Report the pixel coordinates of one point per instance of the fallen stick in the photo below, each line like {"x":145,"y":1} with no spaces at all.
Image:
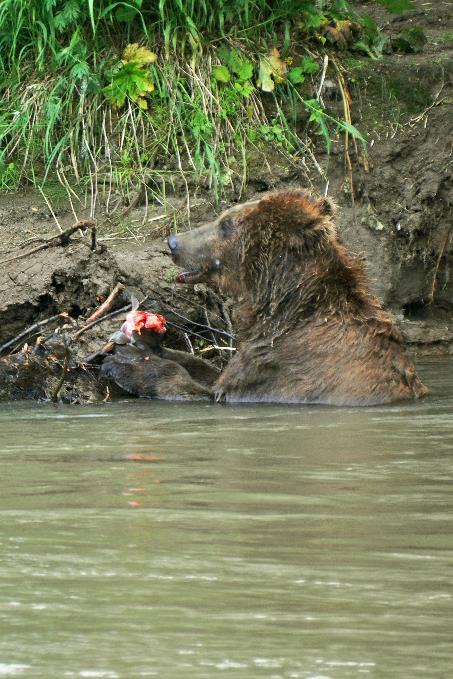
{"x":107,"y":305}
{"x":347,"y":101}
{"x":32,"y":328}
{"x":62,"y":379}
{"x":229,"y":325}
{"x":441,"y":253}
{"x":60,"y":239}
{"x":217,"y":348}
{"x":188,"y":342}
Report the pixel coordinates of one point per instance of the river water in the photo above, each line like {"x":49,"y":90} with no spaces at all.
{"x":145,"y":539}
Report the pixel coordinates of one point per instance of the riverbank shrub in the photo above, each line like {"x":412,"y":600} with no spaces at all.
{"x":115,"y":95}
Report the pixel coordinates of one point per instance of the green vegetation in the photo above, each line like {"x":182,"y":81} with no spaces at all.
{"x":410,"y":40}
{"x":130,"y":94}
{"x":446,"y":38}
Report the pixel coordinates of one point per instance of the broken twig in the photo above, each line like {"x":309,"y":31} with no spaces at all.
{"x":347,"y":101}
{"x":215,"y":347}
{"x":30,"y":330}
{"x":188,"y":342}
{"x":61,"y":381}
{"x":107,"y":305}
{"x":441,"y":253}
{"x":112,"y":314}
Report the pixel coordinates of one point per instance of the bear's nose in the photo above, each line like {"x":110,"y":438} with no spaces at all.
{"x":173,"y":244}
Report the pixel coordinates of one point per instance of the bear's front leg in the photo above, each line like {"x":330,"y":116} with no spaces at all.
{"x":147,"y":375}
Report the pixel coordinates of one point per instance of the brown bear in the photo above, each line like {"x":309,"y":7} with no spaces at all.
{"x":309,"y":330}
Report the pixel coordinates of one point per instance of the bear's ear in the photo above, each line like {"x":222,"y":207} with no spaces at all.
{"x":326,"y":207}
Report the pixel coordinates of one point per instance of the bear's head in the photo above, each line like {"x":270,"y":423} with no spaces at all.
{"x":256,"y":243}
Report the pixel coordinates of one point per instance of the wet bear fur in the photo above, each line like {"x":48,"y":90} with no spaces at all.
{"x":309,"y":329}
{"x":159,"y":373}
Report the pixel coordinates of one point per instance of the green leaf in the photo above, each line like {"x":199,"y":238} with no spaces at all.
{"x":244,"y":88}
{"x":223,"y":55}
{"x":69,"y":14}
{"x":245,"y":71}
{"x":129,"y":81}
{"x":127,"y":14}
{"x":361,"y":46}
{"x":313,"y":20}
{"x":240,"y":66}
{"x":221,"y":74}
{"x":353,"y":131}
{"x":80,"y":70}
{"x":122,"y":11}
{"x":296,"y":75}
{"x":91,"y":13}
{"x":369,"y":26}
{"x":318,"y":117}
{"x":309,"y":65}
{"x":236,"y":63}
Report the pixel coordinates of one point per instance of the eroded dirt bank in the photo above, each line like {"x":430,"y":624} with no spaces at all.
{"x":396,"y":213}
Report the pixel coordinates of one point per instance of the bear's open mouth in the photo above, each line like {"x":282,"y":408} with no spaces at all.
{"x":188,"y":276}
{"x":203,"y":274}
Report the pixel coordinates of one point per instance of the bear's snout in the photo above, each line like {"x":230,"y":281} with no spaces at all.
{"x":173,"y":244}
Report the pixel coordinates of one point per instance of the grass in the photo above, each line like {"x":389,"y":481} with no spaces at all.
{"x":138,"y":97}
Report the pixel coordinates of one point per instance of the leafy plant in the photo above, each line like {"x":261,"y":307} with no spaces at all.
{"x":70,"y":111}
{"x":9,"y":176}
{"x":373,"y":41}
{"x":273,"y":132}
{"x":132,"y":79}
{"x":325,"y":121}
{"x":235,"y":68}
{"x":308,"y":66}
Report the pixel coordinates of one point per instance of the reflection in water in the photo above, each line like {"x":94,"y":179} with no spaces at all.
{"x":144,"y":539}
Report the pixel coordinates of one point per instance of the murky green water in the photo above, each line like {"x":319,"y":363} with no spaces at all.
{"x":147,"y":539}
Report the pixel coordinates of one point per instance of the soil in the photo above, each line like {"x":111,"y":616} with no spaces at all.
{"x":396,"y":213}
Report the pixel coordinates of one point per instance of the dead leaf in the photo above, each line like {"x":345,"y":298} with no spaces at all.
{"x":272,"y":70}
{"x":278,"y":65}
{"x":139,"y":55}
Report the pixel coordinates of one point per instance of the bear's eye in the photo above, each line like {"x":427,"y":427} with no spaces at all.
{"x":226,"y":228}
